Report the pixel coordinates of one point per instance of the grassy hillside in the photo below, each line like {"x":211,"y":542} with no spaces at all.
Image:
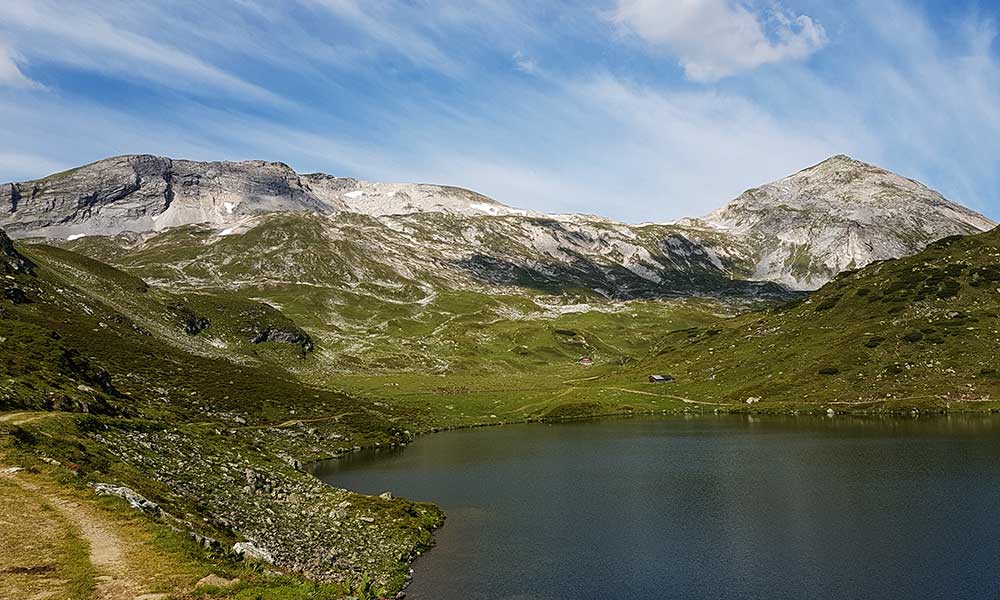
{"x":919,"y":332}
{"x":104,"y":376}
{"x":372,"y":306}
{"x":207,"y":402}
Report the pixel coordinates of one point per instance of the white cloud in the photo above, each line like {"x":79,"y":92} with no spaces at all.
{"x":378,"y":22}
{"x":525,"y":63}
{"x":10,"y":73}
{"x":713,"y":39}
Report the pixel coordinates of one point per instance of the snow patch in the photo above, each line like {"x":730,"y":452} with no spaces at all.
{"x":354,"y":195}
{"x":75,"y":237}
{"x":226,"y":231}
{"x":229,"y":207}
{"x":497,"y":209}
{"x":486,"y":208}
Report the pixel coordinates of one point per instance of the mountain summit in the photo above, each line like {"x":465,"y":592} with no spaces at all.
{"x":142,"y":193}
{"x":838,"y":215}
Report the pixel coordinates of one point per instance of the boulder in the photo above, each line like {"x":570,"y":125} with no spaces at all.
{"x":214,"y":580}
{"x":249,"y":550}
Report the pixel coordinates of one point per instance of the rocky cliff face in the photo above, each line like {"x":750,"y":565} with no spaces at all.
{"x":838,"y":215}
{"x":143,"y":193}
{"x":799,"y":231}
{"x":13,"y":262}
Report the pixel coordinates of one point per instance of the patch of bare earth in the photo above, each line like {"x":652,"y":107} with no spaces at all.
{"x":37,"y":523}
{"x":34,"y":543}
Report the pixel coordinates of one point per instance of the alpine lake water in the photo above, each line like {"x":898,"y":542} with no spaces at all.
{"x":703,"y":507}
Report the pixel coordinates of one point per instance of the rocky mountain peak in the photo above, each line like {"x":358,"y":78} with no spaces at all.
{"x":145,"y":193}
{"x":799,"y":231}
{"x":836,"y":215}
{"x":838,"y":160}
{"x":857,"y":178}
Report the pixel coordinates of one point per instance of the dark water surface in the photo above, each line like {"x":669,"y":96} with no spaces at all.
{"x":705,"y":507}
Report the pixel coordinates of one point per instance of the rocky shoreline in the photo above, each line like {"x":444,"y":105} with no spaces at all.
{"x":255,"y":504}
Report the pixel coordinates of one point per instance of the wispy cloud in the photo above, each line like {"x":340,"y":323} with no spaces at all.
{"x":716,"y":38}
{"x":524,"y":63}
{"x":79,"y":35}
{"x":26,"y":164}
{"x":437,"y":92}
{"x":10,"y":72}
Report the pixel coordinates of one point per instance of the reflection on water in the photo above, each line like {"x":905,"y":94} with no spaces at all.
{"x":703,"y":507}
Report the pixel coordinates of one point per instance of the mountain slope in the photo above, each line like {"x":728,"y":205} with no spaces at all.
{"x":798,"y":232}
{"x":376,"y":298}
{"x":840,"y":214}
{"x":921,"y":331}
{"x":184,"y":398}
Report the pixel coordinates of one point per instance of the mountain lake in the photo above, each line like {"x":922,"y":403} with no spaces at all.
{"x":702,"y":507}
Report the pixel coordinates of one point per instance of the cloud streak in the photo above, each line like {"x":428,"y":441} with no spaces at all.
{"x":10,"y":72}
{"x":541,"y":105}
{"x":74,"y":35}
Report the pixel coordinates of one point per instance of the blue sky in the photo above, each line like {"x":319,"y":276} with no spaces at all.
{"x":642,"y":110}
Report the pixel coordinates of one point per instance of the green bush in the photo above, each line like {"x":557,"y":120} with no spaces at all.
{"x":874,"y":341}
{"x":828,"y":303}
{"x":949,"y":289}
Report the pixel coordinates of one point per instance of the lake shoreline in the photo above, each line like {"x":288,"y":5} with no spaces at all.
{"x":407,"y":460}
{"x":806,"y":411}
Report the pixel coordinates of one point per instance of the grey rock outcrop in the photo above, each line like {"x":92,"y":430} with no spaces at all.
{"x":143,"y":193}
{"x":13,"y":262}
{"x":150,"y":193}
{"x":838,"y":215}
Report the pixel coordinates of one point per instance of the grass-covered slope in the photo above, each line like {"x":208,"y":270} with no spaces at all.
{"x":922,"y":331}
{"x":379,"y":299}
{"x":106,"y":376}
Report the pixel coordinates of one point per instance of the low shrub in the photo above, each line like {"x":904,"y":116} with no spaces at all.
{"x":874,"y":341}
{"x":949,"y":289}
{"x":828,"y":303}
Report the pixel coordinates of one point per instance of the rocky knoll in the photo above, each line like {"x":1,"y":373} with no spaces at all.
{"x":12,"y":261}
